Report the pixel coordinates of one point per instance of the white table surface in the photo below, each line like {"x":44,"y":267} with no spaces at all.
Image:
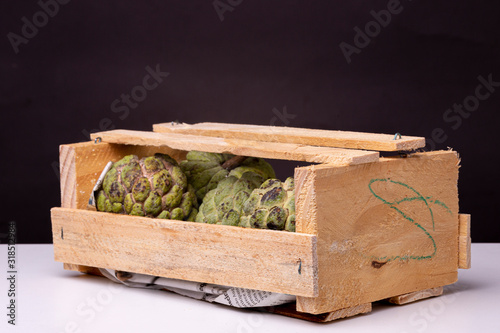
{"x":51,"y":299}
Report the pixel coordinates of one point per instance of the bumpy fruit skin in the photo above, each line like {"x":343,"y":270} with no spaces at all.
{"x":153,"y":186}
{"x":223,"y":204}
{"x":271,"y":206}
{"x":254,"y":164}
{"x":205,"y":170}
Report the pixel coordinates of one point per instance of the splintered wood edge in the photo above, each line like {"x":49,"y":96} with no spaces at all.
{"x":290,"y":311}
{"x":305,"y":136}
{"x":416,"y":295}
{"x":273,"y":150}
{"x":464,"y":241}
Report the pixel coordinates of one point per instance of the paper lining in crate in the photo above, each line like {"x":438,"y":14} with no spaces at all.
{"x":368,"y":227}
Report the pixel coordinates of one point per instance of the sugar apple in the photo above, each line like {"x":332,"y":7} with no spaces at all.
{"x":153,"y":186}
{"x":205,"y":170}
{"x":271,"y":206}
{"x":223,"y":204}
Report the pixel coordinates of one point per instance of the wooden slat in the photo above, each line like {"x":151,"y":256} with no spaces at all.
{"x":313,"y":137}
{"x":285,"y":151}
{"x":416,"y":296}
{"x":290,"y":311}
{"x":248,"y":258}
{"x":365,"y":217}
{"x":464,"y":242}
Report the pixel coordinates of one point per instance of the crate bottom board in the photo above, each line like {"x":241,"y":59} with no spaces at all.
{"x":290,"y":308}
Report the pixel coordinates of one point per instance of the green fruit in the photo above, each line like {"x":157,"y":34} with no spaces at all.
{"x":257,"y":165}
{"x":153,"y":186}
{"x":223,"y":205}
{"x":271,"y":206}
{"x":204,"y":170}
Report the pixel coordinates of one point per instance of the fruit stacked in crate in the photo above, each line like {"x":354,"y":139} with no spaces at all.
{"x":206,"y":187}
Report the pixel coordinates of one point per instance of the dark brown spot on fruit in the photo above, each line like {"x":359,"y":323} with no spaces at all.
{"x":272,"y":226}
{"x":271,"y":194}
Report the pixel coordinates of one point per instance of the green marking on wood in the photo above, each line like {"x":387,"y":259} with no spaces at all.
{"x":442,"y":204}
{"x":393,"y":205}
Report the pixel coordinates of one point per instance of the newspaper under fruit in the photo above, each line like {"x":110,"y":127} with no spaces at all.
{"x":236,"y":297}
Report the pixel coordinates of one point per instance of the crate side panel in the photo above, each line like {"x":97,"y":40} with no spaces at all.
{"x":266,"y":260}
{"x":384,"y":229}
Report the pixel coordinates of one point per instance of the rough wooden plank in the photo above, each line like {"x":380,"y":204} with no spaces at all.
{"x":285,"y":151}
{"x":82,"y":163}
{"x":383,"y":229}
{"x":464,"y":242}
{"x":249,"y":258}
{"x":416,"y":296}
{"x":305,"y":136}
{"x":290,"y":311}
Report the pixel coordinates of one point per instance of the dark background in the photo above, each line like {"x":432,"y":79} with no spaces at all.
{"x":264,"y":55}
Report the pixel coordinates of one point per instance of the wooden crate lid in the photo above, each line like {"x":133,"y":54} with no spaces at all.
{"x":264,"y":149}
{"x":304,"y":136}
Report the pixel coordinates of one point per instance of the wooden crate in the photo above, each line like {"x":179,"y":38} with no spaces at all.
{"x":369,"y":228}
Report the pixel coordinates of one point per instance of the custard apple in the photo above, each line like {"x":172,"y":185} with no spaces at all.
{"x":153,"y":186}
{"x":223,"y":204}
{"x":271,"y":206}
{"x":205,"y":170}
